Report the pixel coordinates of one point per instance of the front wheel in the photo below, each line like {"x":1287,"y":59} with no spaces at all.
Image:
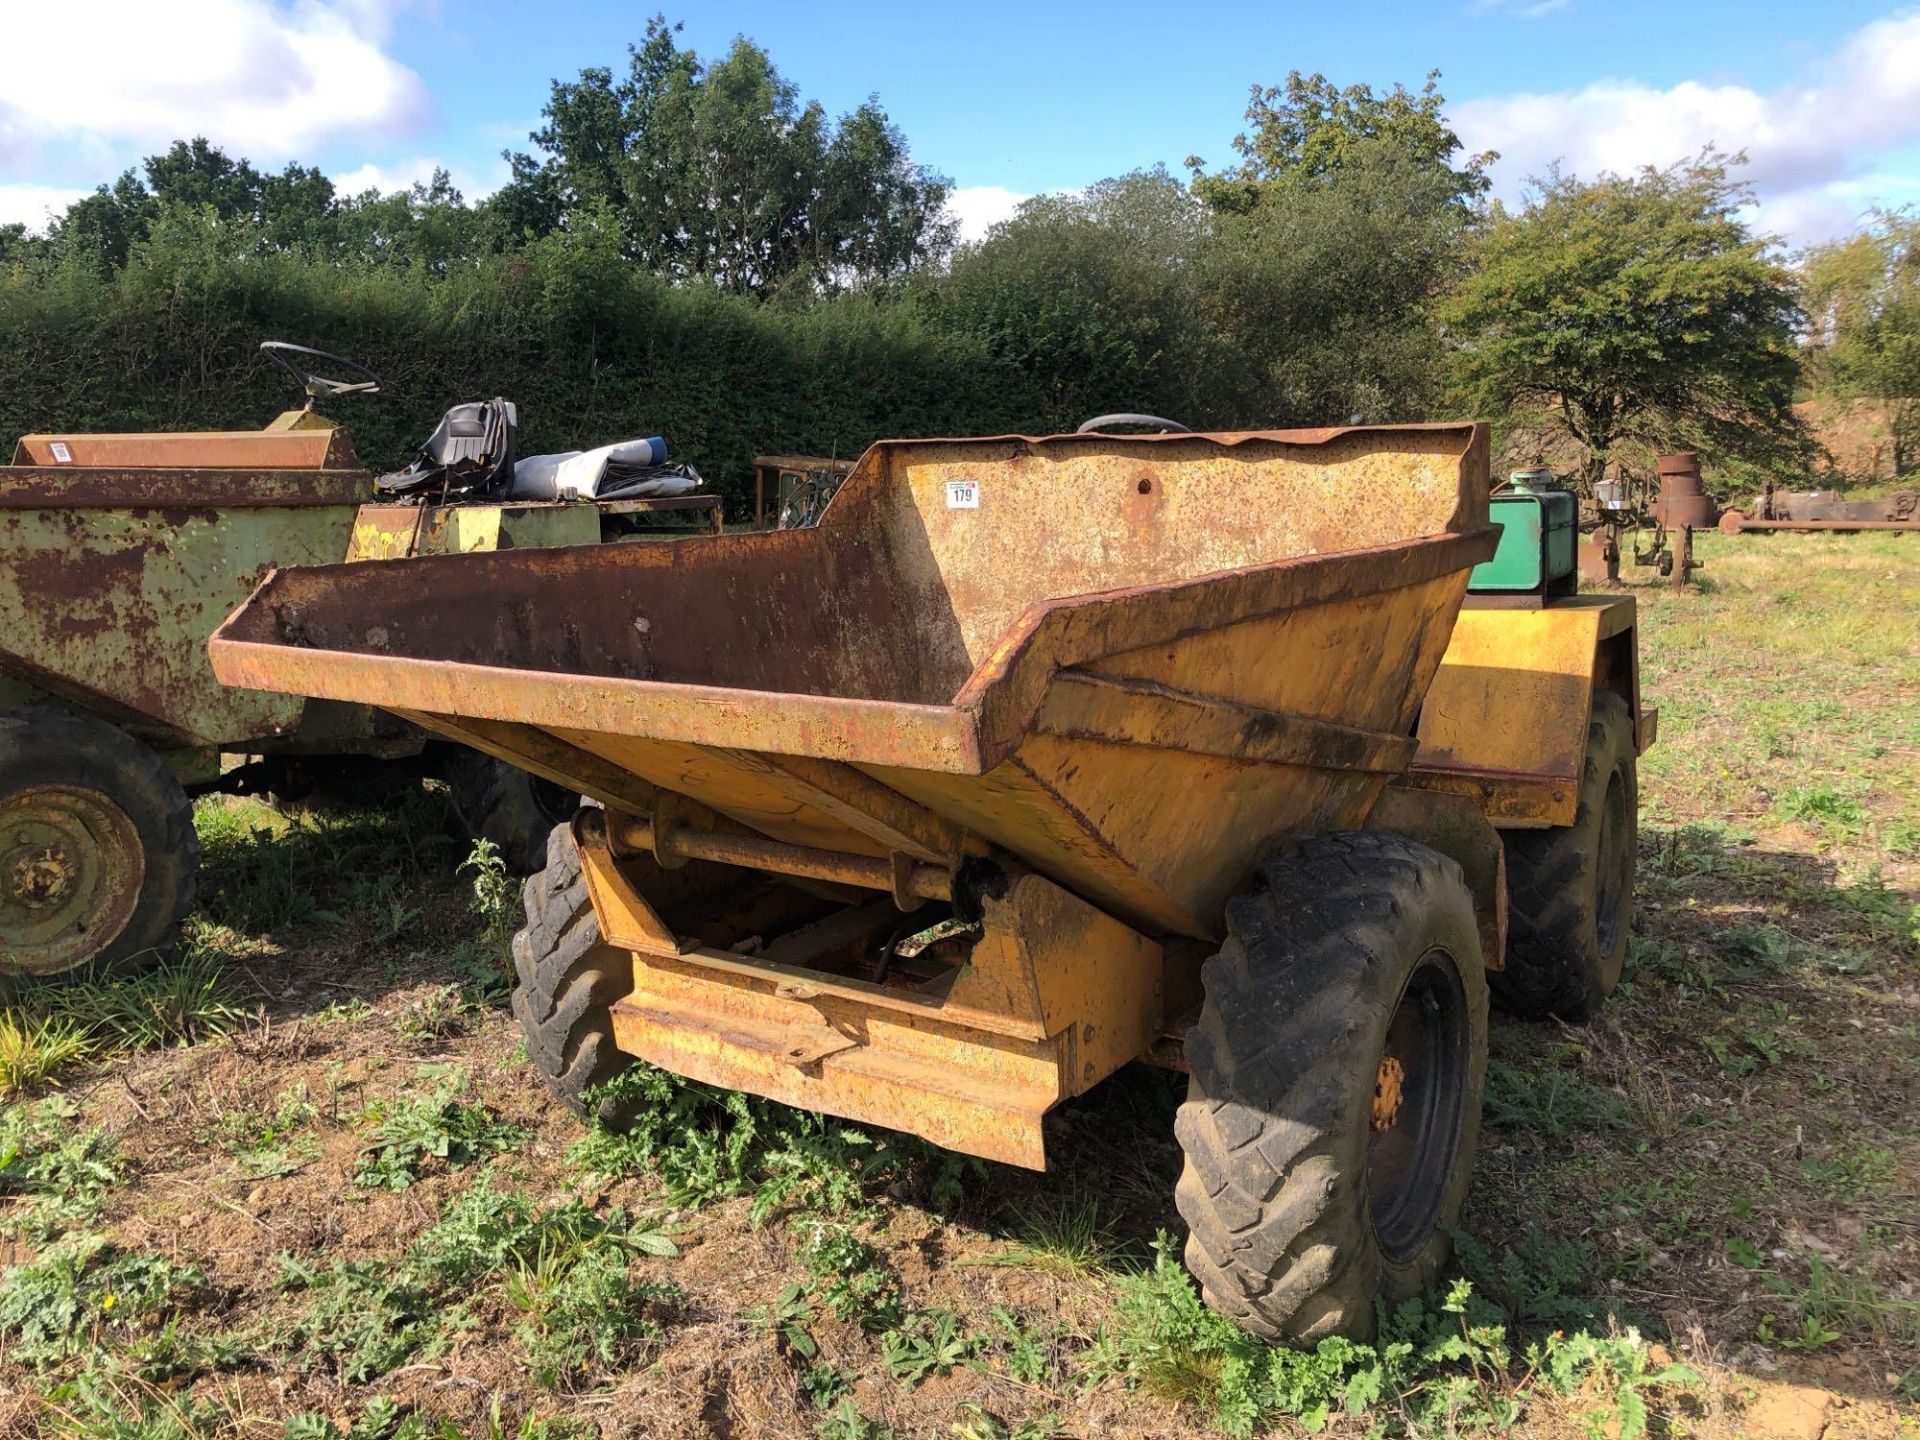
{"x":567,"y":979}
{"x":1336,"y":1074}
{"x":97,"y":847}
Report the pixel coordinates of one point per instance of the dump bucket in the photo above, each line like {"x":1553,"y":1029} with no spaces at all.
{"x":1128,"y":661}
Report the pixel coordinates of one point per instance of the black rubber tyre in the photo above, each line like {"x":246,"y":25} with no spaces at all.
{"x":566,"y":981}
{"x":1318,"y":1179}
{"x":97,"y":848}
{"x":1570,"y":889}
{"x":503,"y":803}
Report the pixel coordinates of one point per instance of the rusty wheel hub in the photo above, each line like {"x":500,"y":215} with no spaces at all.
{"x":1388,"y":1083}
{"x":71,"y":868}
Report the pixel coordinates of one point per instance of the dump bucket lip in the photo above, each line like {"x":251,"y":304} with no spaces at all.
{"x":968,"y":735}
{"x":1469,"y":430}
{"x":127,"y":487}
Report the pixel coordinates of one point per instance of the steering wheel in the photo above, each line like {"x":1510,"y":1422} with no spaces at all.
{"x":316,"y":385}
{"x":1107,"y":422}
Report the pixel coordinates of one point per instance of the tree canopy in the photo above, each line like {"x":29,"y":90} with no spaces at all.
{"x":718,"y":171}
{"x":1863,"y":302}
{"x":1310,"y":131}
{"x":297,"y":210}
{"x":1639,"y":308}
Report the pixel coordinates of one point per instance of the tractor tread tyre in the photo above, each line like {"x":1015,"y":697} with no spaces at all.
{"x":48,"y":746}
{"x":1283,"y":1063}
{"x":502,"y":803}
{"x":567,"y":979}
{"x":1558,"y":963}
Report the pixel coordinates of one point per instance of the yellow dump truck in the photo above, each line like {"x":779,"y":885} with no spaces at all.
{"x":1040,"y":756}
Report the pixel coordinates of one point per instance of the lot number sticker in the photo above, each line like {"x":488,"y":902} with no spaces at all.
{"x":61,"y":454}
{"x":963,"y":494}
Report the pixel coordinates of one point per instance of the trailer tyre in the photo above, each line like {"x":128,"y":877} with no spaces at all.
{"x":503,"y":803}
{"x":1570,"y":889}
{"x":97,"y":848}
{"x":566,"y":981}
{"x":1336,"y":1074}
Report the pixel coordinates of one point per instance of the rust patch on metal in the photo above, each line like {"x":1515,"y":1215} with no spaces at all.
{"x":59,"y":488}
{"x":111,"y":581}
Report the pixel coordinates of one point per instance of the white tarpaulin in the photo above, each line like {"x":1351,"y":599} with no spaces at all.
{"x":585,"y":474}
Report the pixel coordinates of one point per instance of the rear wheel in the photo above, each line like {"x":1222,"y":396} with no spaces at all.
{"x":303,"y":787}
{"x":97,"y":847}
{"x":566,"y":981}
{"x":503,"y":803}
{"x":1336,"y":1073}
{"x":1570,"y":889}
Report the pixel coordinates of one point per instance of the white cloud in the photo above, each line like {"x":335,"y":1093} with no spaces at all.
{"x":1802,"y":141}
{"x":266,"y":80}
{"x":31,"y":205}
{"x":979,"y":208}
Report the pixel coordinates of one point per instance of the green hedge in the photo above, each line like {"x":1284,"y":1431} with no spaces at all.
{"x":589,"y":347}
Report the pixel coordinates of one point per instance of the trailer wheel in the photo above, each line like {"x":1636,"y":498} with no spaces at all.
{"x":503,"y":803}
{"x":566,"y":981}
{"x":1336,"y":1074}
{"x":97,"y":847}
{"x":1570,"y":889}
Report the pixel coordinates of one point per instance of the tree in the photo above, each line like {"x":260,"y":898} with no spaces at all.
{"x":718,"y":172}
{"x":279,"y":212}
{"x":102,"y":228}
{"x":15,"y":243}
{"x":429,"y":224}
{"x":1098,"y":297}
{"x":1309,"y":131}
{"x":294,"y":211}
{"x":1863,"y":303}
{"x":1329,"y":289}
{"x":1333,"y":237}
{"x":1310,"y":307}
{"x":1633,"y":309}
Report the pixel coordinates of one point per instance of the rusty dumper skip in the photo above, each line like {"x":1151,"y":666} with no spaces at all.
{"x":1037,"y":757}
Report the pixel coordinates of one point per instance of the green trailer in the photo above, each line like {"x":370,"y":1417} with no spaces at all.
{"x":119,"y":556}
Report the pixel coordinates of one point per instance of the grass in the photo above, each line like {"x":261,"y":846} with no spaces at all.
{"x":1701,"y":1197}
{"x":269,"y":1140}
{"x":1066,"y":1235}
{"x":36,"y":1049}
{"x":49,"y":1031}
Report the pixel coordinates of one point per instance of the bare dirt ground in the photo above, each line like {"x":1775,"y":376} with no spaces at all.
{"x":343,"y":1206}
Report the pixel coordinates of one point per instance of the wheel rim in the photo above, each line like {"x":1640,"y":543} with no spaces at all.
{"x":71,"y":868}
{"x":1613,"y":882}
{"x":1419,"y":1107}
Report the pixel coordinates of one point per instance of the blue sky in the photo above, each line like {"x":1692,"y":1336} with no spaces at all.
{"x":1008,"y":99}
